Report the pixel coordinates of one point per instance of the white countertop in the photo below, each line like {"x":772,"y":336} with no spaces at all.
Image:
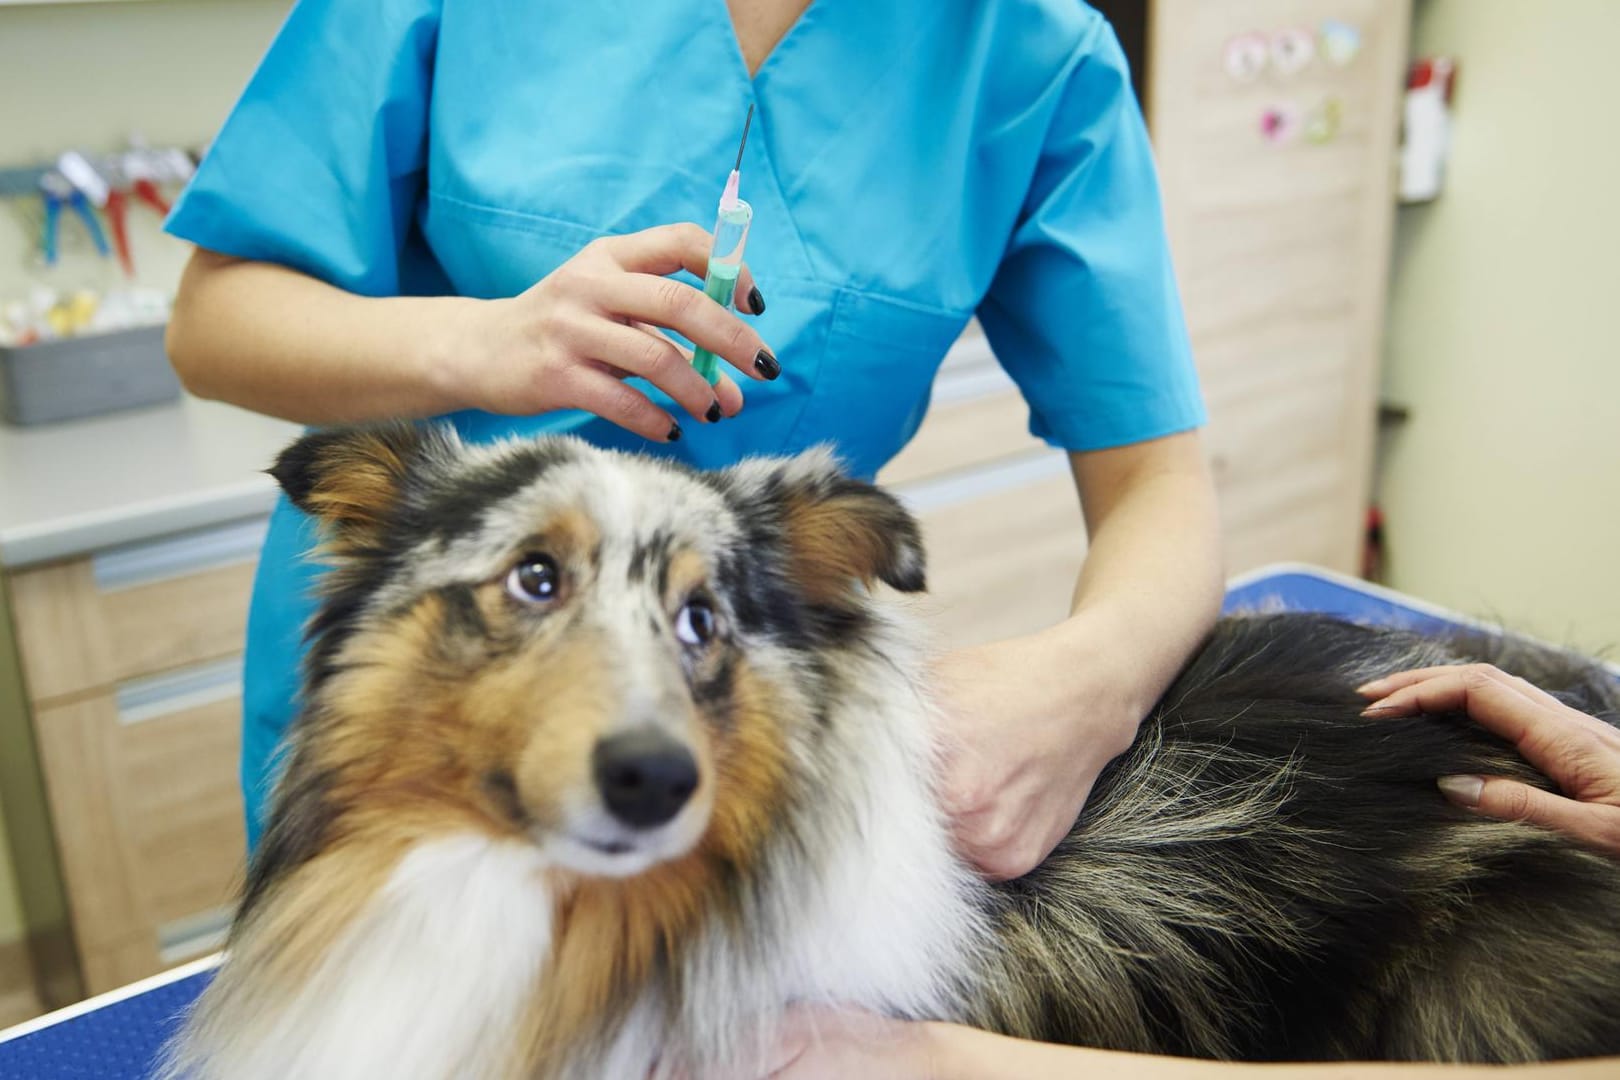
{"x":71,"y":488}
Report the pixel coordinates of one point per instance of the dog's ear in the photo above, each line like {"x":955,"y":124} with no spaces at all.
{"x":836,"y":530}
{"x":351,"y":479}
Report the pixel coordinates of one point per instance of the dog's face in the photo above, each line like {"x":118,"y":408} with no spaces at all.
{"x":608,"y":655}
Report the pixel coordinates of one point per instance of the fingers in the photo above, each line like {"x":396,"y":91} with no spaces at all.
{"x":619,"y":402}
{"x":1380,"y":688}
{"x":1594,"y":824}
{"x":665,"y":302}
{"x":665,"y":249}
{"x":1534,"y":721}
{"x":657,"y":359}
{"x":725,"y":389}
{"x":1483,"y":692}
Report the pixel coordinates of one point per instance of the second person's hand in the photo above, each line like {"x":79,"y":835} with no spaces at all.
{"x":1580,"y":753}
{"x":571,"y":340}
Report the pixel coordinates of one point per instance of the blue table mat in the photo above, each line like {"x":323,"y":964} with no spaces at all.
{"x":119,"y":1041}
{"x":122,"y":1040}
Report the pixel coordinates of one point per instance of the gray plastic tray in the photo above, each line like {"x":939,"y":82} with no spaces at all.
{"x":85,"y":376}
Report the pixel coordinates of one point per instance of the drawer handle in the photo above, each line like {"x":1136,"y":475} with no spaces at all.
{"x":959,"y":487}
{"x":192,"y":935}
{"x":148,"y":698}
{"x":174,"y":556}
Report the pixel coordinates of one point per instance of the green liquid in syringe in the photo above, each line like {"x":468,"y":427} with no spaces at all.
{"x":719,"y":287}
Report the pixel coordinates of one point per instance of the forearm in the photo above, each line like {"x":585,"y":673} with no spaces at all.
{"x":280,"y":342}
{"x":959,"y":1053}
{"x":1151,"y":585}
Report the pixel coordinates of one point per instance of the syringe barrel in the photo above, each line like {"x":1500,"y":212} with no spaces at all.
{"x":725,"y":263}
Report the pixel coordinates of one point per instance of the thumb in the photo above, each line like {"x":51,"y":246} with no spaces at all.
{"x":1510,"y":800}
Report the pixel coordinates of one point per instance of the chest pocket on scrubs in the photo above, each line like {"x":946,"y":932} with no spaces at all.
{"x":876,"y":376}
{"x":489,"y":252}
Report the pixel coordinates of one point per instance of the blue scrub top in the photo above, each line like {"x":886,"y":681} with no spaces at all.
{"x":912,"y":163}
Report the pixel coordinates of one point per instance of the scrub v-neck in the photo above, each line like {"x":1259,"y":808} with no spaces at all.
{"x":742,"y":53}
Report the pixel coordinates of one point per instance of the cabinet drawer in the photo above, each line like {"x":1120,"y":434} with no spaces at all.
{"x":1004,"y":562}
{"x":132,"y":611}
{"x":147,"y":811}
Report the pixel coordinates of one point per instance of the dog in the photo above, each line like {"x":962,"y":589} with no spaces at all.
{"x":602,"y":762}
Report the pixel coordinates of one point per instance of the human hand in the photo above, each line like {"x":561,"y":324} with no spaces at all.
{"x":1029,"y":724}
{"x":1580,"y":753}
{"x":845,"y":1044}
{"x":571,"y":340}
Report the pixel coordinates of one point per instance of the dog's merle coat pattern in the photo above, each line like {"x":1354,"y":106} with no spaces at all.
{"x":1263,"y":875}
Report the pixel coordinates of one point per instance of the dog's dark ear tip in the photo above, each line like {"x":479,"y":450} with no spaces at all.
{"x":910,"y":582}
{"x":295,"y":468}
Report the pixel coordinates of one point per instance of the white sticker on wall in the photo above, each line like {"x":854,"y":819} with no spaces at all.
{"x":1245,"y":57}
{"x":1292,"y":51}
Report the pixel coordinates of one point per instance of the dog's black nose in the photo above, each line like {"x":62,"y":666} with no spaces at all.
{"x":645,"y":776}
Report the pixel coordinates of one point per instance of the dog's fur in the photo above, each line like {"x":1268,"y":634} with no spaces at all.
{"x":1264,"y":874}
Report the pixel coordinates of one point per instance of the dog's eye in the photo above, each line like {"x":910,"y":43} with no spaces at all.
{"x":695,"y":624}
{"x":533,"y":580}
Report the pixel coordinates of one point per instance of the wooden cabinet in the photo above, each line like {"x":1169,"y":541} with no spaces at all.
{"x":1282,"y":246}
{"x":131,"y":668}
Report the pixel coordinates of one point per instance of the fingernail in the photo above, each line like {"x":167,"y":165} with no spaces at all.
{"x":1462,"y":789}
{"x":766,"y":365}
{"x":756,"y":302}
{"x":674,"y":433}
{"x":713,"y":415}
{"x":1372,"y":689}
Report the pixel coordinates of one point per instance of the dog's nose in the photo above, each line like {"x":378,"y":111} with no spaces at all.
{"x":645,"y":776}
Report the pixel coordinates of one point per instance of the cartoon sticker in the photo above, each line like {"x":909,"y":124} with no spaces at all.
{"x":1340,"y":42}
{"x":1245,"y":57}
{"x":1280,"y":124}
{"x":1322,"y":123}
{"x":1292,"y":51}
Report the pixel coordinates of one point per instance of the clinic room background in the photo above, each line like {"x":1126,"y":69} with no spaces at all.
{"x":1418,"y":386}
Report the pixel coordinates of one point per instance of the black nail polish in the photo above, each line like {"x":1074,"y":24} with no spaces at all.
{"x":674,"y":433}
{"x":713,"y":415}
{"x":756,"y":302}
{"x":766,"y":365}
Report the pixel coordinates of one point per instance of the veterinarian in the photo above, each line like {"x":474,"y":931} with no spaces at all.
{"x":1579,"y":753}
{"x":420,"y":209}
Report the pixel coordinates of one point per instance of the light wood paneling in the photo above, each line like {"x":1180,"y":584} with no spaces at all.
{"x":1003,"y":564}
{"x":75,"y":637}
{"x":1282,"y":253}
{"x":148,"y":820}
{"x":962,"y":434}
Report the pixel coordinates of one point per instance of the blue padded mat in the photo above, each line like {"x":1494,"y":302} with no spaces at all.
{"x":120,"y":1040}
{"x":1307,"y":589}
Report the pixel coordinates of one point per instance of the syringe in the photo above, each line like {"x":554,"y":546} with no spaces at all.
{"x":726,"y":253}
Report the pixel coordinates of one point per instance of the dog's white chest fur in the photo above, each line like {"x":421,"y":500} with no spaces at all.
{"x":430,"y":982}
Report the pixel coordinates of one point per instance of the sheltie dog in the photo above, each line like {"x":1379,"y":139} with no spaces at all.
{"x":603,"y":762}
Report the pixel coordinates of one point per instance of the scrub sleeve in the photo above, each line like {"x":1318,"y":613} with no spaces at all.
{"x":1083,"y":311}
